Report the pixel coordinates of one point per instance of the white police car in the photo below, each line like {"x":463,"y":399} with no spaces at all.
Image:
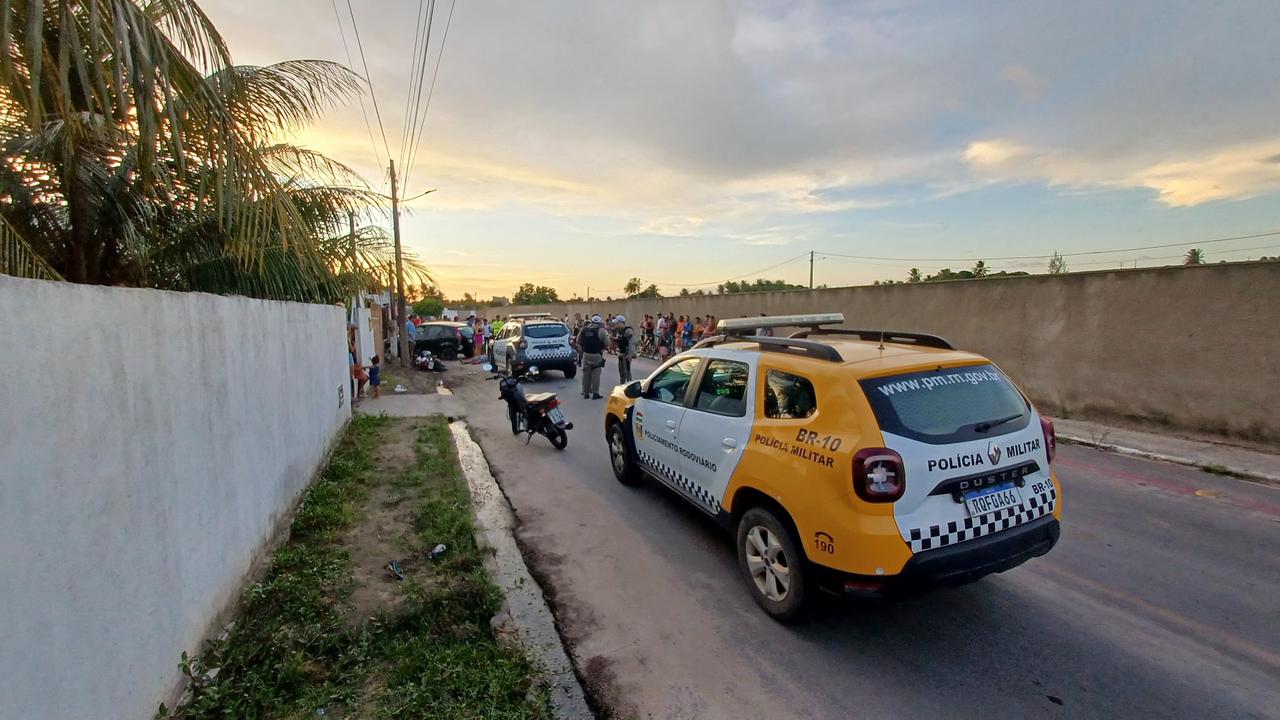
{"x":534,"y":339}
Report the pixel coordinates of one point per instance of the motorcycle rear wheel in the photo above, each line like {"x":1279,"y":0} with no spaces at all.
{"x":558,"y":437}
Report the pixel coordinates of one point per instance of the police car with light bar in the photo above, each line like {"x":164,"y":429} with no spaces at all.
{"x":863,"y":462}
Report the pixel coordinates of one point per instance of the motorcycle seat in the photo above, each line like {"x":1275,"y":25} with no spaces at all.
{"x":539,"y":398}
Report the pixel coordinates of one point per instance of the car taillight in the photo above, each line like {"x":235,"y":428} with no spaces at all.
{"x":879,"y":475}
{"x":1050,"y":437}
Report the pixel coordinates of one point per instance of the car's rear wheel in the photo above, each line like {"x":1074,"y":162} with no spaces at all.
{"x":449,"y":353}
{"x":770,"y":557}
{"x":620,"y":457}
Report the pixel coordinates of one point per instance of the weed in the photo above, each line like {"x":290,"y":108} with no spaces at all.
{"x":290,"y":652}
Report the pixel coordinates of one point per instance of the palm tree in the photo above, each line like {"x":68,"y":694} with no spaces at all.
{"x":914,"y":275}
{"x":633,"y":286}
{"x":1194,"y":256}
{"x":980,"y":269}
{"x":136,"y":153}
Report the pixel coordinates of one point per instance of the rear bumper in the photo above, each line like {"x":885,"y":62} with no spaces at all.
{"x":953,"y":565}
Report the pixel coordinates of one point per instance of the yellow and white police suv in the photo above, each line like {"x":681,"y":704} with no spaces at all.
{"x":863,"y":462}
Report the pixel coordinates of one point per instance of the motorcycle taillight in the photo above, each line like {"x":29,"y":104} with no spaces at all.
{"x":553,"y":404}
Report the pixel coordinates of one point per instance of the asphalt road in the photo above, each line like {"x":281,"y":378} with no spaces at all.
{"x":1161,"y":600}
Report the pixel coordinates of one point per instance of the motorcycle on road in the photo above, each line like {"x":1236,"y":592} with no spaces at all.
{"x":539,"y":413}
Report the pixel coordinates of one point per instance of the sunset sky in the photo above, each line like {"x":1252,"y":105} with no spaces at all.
{"x":686,"y":143}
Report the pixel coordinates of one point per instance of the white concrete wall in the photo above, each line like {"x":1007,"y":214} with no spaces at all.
{"x":150,"y":445}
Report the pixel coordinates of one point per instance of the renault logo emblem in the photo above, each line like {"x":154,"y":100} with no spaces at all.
{"x":993,"y":452}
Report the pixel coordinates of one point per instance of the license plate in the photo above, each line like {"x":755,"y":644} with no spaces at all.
{"x":989,"y":500}
{"x":556,"y":415}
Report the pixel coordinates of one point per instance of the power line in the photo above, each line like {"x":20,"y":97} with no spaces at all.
{"x":413,"y":74}
{"x":368,"y":78}
{"x":804,"y":254}
{"x":363,"y":112}
{"x":430,"y":93}
{"x":1040,"y":257}
{"x":418,"y":72}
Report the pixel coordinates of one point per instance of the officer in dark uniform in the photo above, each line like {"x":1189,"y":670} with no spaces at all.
{"x":592,"y":339}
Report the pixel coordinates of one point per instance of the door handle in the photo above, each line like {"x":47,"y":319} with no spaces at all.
{"x":671,"y":425}
{"x":729,"y":443}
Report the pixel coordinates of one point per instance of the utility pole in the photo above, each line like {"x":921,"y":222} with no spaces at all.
{"x":810,"y":269}
{"x":406,"y":347}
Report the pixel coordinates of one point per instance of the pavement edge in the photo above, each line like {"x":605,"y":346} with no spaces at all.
{"x":1236,"y":471}
{"x":534,"y":624}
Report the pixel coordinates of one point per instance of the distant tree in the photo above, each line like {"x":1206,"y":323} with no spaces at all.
{"x":732,"y":287}
{"x":1194,"y":256}
{"x":1057,"y":264}
{"x":528,"y":294}
{"x":684,"y":292}
{"x":914,"y":275}
{"x":649,"y":292}
{"x":428,"y":307}
{"x":632,"y":287}
{"x":949,"y":274}
{"x":980,"y":269}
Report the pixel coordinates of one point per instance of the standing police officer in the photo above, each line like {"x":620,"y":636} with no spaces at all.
{"x":624,"y":343}
{"x":592,"y":339}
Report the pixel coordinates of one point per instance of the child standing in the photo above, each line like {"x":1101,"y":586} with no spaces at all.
{"x":375,"y":375}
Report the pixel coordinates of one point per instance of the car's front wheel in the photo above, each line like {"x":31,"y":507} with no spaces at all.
{"x":772,"y":560}
{"x":620,"y":458}
{"x":570,"y":371}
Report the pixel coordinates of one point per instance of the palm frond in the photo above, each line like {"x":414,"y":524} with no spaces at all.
{"x":18,"y":259}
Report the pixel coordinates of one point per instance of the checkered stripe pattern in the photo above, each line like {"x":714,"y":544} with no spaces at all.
{"x":957,"y":531}
{"x":677,"y":480}
{"x":558,"y":354}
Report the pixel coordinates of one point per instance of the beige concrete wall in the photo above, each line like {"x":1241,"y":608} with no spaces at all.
{"x":1194,"y":349}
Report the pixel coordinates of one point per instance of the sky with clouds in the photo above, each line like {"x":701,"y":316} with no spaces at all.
{"x":686,"y":143}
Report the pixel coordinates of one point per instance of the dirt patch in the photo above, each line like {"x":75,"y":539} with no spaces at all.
{"x":601,"y":683}
{"x":383,"y":532}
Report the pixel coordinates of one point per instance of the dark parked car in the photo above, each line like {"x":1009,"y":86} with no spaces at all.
{"x":445,"y":340}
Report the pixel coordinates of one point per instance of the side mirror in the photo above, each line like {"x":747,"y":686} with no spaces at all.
{"x":633,"y":390}
{"x":488,"y":367}
{"x":533,"y":370}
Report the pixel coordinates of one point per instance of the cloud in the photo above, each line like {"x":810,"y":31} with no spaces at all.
{"x":1028,"y":84}
{"x":1235,"y":173}
{"x":672,"y":226}
{"x":994,"y":154}
{"x":1238,"y":172}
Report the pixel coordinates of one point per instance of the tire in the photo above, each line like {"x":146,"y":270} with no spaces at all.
{"x":449,"y":353}
{"x":773,"y":564}
{"x":570,"y":371}
{"x":621,"y":459}
{"x":515,"y":420}
{"x":558,"y":437}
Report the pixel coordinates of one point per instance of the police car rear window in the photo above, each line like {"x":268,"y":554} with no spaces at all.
{"x":545,"y":330}
{"x":948,"y":405}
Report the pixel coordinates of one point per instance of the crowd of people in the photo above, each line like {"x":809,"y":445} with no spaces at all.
{"x":657,"y":336}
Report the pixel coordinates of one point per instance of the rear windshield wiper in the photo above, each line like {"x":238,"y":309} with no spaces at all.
{"x":988,"y":424}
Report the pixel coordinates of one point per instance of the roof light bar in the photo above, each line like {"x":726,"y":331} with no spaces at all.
{"x":526,"y":316}
{"x":736,"y":326}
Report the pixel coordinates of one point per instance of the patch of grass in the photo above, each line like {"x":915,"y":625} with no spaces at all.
{"x":290,"y":652}
{"x":1221,"y":470}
